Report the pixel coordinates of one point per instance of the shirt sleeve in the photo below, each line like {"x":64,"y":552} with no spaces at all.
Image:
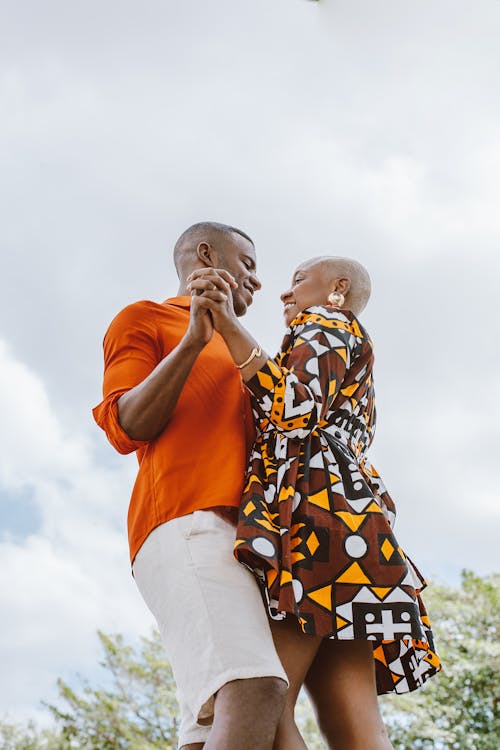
{"x":296,"y":397}
{"x":131,"y":352}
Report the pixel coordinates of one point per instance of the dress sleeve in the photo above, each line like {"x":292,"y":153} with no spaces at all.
{"x":131,"y":352}
{"x":295,"y":390}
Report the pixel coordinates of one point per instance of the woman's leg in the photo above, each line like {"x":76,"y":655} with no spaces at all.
{"x":341,"y":684}
{"x":296,"y":651}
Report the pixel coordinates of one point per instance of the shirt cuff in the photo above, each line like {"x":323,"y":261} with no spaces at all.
{"x":265,"y":380}
{"x":106,"y":416}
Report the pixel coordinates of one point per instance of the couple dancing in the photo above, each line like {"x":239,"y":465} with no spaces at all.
{"x":260,"y":534}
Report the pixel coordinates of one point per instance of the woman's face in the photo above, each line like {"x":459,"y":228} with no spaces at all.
{"x":310,"y":286}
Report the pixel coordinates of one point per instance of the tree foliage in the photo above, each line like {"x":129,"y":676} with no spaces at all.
{"x":458,"y":709}
{"x":14,"y":737}
{"x":137,"y":709}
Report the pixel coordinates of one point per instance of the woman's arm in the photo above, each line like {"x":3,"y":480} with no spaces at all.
{"x":215,"y":285}
{"x":294,"y":391}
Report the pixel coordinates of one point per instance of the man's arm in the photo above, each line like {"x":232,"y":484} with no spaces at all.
{"x":144,"y":411}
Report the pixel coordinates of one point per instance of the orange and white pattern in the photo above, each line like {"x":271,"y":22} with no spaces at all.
{"x":315,"y":523}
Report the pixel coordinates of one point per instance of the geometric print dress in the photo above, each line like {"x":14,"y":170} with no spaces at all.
{"x":315,"y":523}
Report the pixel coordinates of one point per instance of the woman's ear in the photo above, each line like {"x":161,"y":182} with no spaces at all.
{"x":343,"y":285}
{"x":207,"y":255}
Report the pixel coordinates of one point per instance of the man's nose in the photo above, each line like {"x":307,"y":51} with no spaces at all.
{"x":255,"y":282}
{"x":285,"y":295}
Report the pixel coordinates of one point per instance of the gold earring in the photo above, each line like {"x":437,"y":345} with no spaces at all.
{"x":336,"y":299}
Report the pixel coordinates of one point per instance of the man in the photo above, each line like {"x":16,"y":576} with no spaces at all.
{"x":173,"y":394}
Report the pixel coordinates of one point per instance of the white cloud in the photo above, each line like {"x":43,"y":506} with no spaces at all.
{"x":70,"y":576}
{"x":35,"y":445}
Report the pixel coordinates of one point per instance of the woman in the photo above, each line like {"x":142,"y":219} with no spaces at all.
{"x":315,"y":522}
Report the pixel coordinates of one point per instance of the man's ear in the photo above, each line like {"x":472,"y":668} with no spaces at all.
{"x":207,"y":255}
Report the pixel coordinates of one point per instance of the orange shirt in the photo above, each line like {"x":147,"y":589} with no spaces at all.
{"x":199,"y":459}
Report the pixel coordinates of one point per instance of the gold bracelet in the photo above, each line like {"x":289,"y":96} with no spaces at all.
{"x":256,"y":352}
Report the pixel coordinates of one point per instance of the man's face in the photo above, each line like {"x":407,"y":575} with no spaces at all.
{"x":309,"y":287}
{"x":237,"y":255}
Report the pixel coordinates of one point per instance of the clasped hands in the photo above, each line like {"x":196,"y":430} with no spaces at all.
{"x":212,"y":288}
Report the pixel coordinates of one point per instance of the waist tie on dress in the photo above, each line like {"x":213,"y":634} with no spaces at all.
{"x":345,"y":438}
{"x":342,"y":439}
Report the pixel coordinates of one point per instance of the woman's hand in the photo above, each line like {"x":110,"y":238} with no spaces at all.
{"x":212,"y":288}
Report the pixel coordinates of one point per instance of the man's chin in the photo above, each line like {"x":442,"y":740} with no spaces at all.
{"x":240,"y":306}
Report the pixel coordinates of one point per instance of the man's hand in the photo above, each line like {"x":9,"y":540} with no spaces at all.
{"x":201,"y":327}
{"x":211,"y":289}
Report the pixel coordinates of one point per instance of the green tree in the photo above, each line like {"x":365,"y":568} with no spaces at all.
{"x":138,"y":711}
{"x":458,"y":709}
{"x":13,"y":737}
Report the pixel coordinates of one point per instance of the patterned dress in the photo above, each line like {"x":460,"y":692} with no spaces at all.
{"x":315,"y":523}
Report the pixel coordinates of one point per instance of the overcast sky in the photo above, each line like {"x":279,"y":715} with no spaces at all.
{"x":360,"y":128}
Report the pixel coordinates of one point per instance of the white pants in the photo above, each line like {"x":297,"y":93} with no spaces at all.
{"x":209,"y":612}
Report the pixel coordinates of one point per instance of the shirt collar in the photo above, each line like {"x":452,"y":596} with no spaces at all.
{"x":184,"y":301}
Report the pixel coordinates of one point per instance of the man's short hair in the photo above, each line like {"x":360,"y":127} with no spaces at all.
{"x":203,"y":231}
